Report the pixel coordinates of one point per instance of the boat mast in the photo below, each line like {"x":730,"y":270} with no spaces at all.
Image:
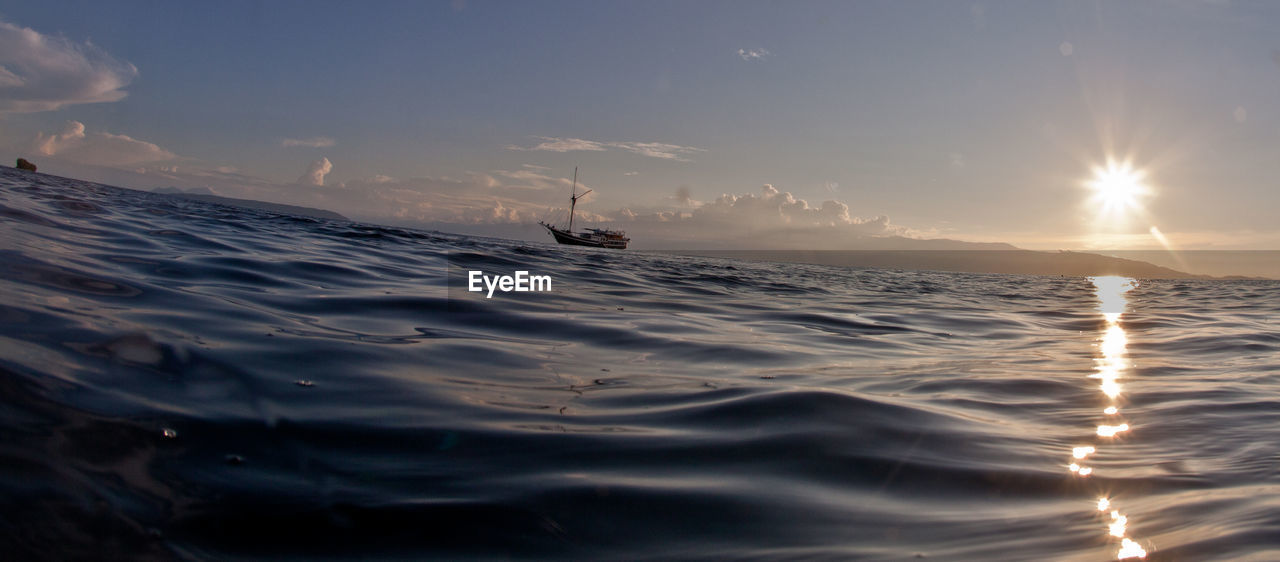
{"x":573,"y":197}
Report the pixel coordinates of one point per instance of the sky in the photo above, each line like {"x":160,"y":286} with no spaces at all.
{"x":816,"y":125}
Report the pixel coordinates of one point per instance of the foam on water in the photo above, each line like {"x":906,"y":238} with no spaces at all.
{"x":187,"y":380}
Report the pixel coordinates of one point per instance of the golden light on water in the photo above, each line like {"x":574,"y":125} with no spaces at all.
{"x":1112,"y":430}
{"x":1114,"y":341}
{"x":1130,"y":549}
{"x":1110,"y":387}
{"x":1111,"y":364}
{"x":1118,"y":524}
{"x":1111,"y":292}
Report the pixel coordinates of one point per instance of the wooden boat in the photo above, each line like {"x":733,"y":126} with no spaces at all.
{"x":594,"y":237}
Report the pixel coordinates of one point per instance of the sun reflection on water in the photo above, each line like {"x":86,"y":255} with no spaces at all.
{"x":1109,"y":368}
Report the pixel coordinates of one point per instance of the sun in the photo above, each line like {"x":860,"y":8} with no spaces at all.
{"x":1118,"y":187}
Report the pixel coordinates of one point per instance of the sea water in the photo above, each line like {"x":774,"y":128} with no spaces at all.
{"x":185,"y":380}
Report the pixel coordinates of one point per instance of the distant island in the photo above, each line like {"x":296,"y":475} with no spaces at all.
{"x":1026,"y":262}
{"x":252,"y":204}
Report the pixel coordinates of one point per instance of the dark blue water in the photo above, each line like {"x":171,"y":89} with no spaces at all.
{"x":182,"y":380}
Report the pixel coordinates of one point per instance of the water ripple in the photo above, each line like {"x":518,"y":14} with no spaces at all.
{"x":192,"y":380}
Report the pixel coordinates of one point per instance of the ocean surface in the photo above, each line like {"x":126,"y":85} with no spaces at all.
{"x":184,"y":380}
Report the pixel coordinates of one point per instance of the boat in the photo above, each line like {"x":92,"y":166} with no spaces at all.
{"x":594,"y":237}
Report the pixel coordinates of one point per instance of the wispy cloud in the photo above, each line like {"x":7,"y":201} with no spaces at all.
{"x":658,"y":150}
{"x":73,"y":144}
{"x":630,"y":173}
{"x":43,"y":73}
{"x":750,"y":55}
{"x":662,"y":150}
{"x":313,"y":142}
{"x":554,"y":144}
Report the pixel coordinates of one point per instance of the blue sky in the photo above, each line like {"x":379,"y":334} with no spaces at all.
{"x":969,"y":120}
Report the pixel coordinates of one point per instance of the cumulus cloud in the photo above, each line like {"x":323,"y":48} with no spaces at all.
{"x":768,"y":218}
{"x":662,"y":150}
{"x":750,"y":55}
{"x":774,"y":209}
{"x":49,"y":145}
{"x":74,"y":144}
{"x":316,"y":172}
{"x":43,"y":73}
{"x":313,"y":142}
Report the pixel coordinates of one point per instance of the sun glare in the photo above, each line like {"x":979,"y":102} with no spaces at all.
{"x":1117,"y":187}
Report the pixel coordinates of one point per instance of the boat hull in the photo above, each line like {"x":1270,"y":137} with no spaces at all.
{"x":566,"y":237}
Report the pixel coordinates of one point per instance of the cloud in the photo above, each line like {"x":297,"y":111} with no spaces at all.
{"x":684,"y":195}
{"x":630,"y":173}
{"x":658,"y":150}
{"x":73,"y":144}
{"x":662,"y":150}
{"x":776,"y":209}
{"x":498,"y":198}
{"x":316,"y":172}
{"x":769,"y":218}
{"x":553,"y":144}
{"x":313,"y":142}
{"x":750,"y":55}
{"x":43,"y":73}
